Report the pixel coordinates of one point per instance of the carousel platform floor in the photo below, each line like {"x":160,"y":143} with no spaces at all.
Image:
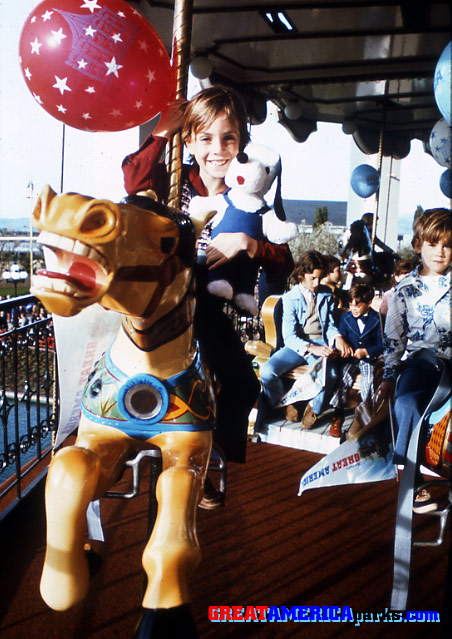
{"x":317,"y":439}
{"x":267,"y":546}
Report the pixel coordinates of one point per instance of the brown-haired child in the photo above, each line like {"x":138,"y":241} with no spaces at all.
{"x":360,"y":327}
{"x":417,"y":334}
{"x":214,"y":128}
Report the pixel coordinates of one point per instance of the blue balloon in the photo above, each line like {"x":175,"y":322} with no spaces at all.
{"x":365,"y":180}
{"x":442,"y":82}
{"x":445,"y":183}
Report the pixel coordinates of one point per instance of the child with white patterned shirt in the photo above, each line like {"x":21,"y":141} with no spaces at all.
{"x":417,"y":334}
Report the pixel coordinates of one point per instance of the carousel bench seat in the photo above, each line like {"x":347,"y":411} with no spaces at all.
{"x":261,"y":351}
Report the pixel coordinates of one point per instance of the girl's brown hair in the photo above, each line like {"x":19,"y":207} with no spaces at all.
{"x":207,"y":105}
{"x":433,"y":226}
{"x":308,"y":263}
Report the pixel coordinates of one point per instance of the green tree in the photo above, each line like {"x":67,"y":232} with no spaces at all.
{"x":321,"y":216}
{"x":419,"y":210}
{"x":321,"y":239}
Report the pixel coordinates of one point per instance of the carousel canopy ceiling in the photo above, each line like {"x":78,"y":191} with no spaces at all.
{"x":366,"y":63}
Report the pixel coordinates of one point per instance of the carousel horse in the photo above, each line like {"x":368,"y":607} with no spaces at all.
{"x":149,"y":390}
{"x":362,"y":262}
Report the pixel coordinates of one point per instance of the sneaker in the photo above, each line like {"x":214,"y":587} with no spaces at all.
{"x":423,"y":503}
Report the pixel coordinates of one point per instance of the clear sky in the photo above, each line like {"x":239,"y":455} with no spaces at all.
{"x":31,"y":144}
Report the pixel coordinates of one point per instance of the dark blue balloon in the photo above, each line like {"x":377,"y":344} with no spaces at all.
{"x":365,"y":180}
{"x":445,"y":183}
{"x":442,"y":83}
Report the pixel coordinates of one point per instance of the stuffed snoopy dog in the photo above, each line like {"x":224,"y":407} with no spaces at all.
{"x":243,"y":209}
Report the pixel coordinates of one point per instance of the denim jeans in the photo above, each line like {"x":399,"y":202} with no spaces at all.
{"x":415,"y":386}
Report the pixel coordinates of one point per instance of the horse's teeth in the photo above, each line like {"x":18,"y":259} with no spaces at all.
{"x":66,"y":244}
{"x":53,"y":240}
{"x":82,"y":249}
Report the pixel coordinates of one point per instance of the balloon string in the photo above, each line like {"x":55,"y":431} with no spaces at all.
{"x":183,"y":11}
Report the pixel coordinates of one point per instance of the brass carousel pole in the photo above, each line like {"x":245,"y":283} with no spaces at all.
{"x":182,"y":21}
{"x":380,"y":162}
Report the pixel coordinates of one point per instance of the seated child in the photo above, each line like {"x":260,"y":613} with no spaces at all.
{"x":417,"y":339}
{"x":309,"y":333}
{"x":332,"y":279}
{"x":401,"y":270}
{"x":360,"y":327}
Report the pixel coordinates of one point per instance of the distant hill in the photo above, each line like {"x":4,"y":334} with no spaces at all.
{"x":10,"y":225}
{"x":296,"y":211}
{"x":299,"y":210}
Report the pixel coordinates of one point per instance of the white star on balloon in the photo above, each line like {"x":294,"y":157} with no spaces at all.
{"x":35,"y":46}
{"x":89,"y":31}
{"x":81,"y":63}
{"x":37,"y":98}
{"x":46,"y":16}
{"x":61,"y":108}
{"x":58,"y":36}
{"x":115,"y":113}
{"x":27,"y":73}
{"x":138,"y":104}
{"x":120,"y":14}
{"x":113,"y":67}
{"x":143,"y":45}
{"x":86,"y":116}
{"x":91,"y":5}
{"x":33,"y":20}
{"x":61,"y":85}
{"x":90,"y":90}
{"x":116,"y":37}
{"x":150,"y":75}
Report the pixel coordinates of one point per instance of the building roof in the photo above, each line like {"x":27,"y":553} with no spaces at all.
{"x":304,"y":210}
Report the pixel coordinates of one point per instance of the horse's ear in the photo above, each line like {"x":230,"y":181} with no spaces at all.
{"x":45,"y":197}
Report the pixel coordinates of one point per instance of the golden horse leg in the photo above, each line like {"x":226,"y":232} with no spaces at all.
{"x":172,"y":552}
{"x":77,"y":475}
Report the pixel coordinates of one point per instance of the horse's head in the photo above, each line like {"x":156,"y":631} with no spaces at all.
{"x":125,"y":257}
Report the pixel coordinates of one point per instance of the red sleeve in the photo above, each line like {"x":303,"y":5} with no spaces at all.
{"x":275,"y":259}
{"x":142,"y":169}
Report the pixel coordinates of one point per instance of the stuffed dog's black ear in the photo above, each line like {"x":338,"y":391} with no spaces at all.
{"x":278,"y":203}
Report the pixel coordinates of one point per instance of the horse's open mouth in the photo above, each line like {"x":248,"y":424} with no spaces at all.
{"x":81,"y":271}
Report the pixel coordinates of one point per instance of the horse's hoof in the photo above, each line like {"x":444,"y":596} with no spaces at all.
{"x":159,"y":623}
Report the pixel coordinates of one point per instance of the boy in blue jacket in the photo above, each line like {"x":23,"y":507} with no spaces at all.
{"x":361,"y":329}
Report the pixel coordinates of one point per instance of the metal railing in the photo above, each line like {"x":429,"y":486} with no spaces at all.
{"x":29,"y":398}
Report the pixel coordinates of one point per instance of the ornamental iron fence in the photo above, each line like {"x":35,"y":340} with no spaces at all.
{"x":29,"y":399}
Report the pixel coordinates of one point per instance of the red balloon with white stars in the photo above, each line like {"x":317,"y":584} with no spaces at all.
{"x":96,"y":65}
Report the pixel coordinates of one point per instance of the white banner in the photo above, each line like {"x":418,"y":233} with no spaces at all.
{"x":80,"y":341}
{"x":306,"y":386}
{"x":366,"y":458}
